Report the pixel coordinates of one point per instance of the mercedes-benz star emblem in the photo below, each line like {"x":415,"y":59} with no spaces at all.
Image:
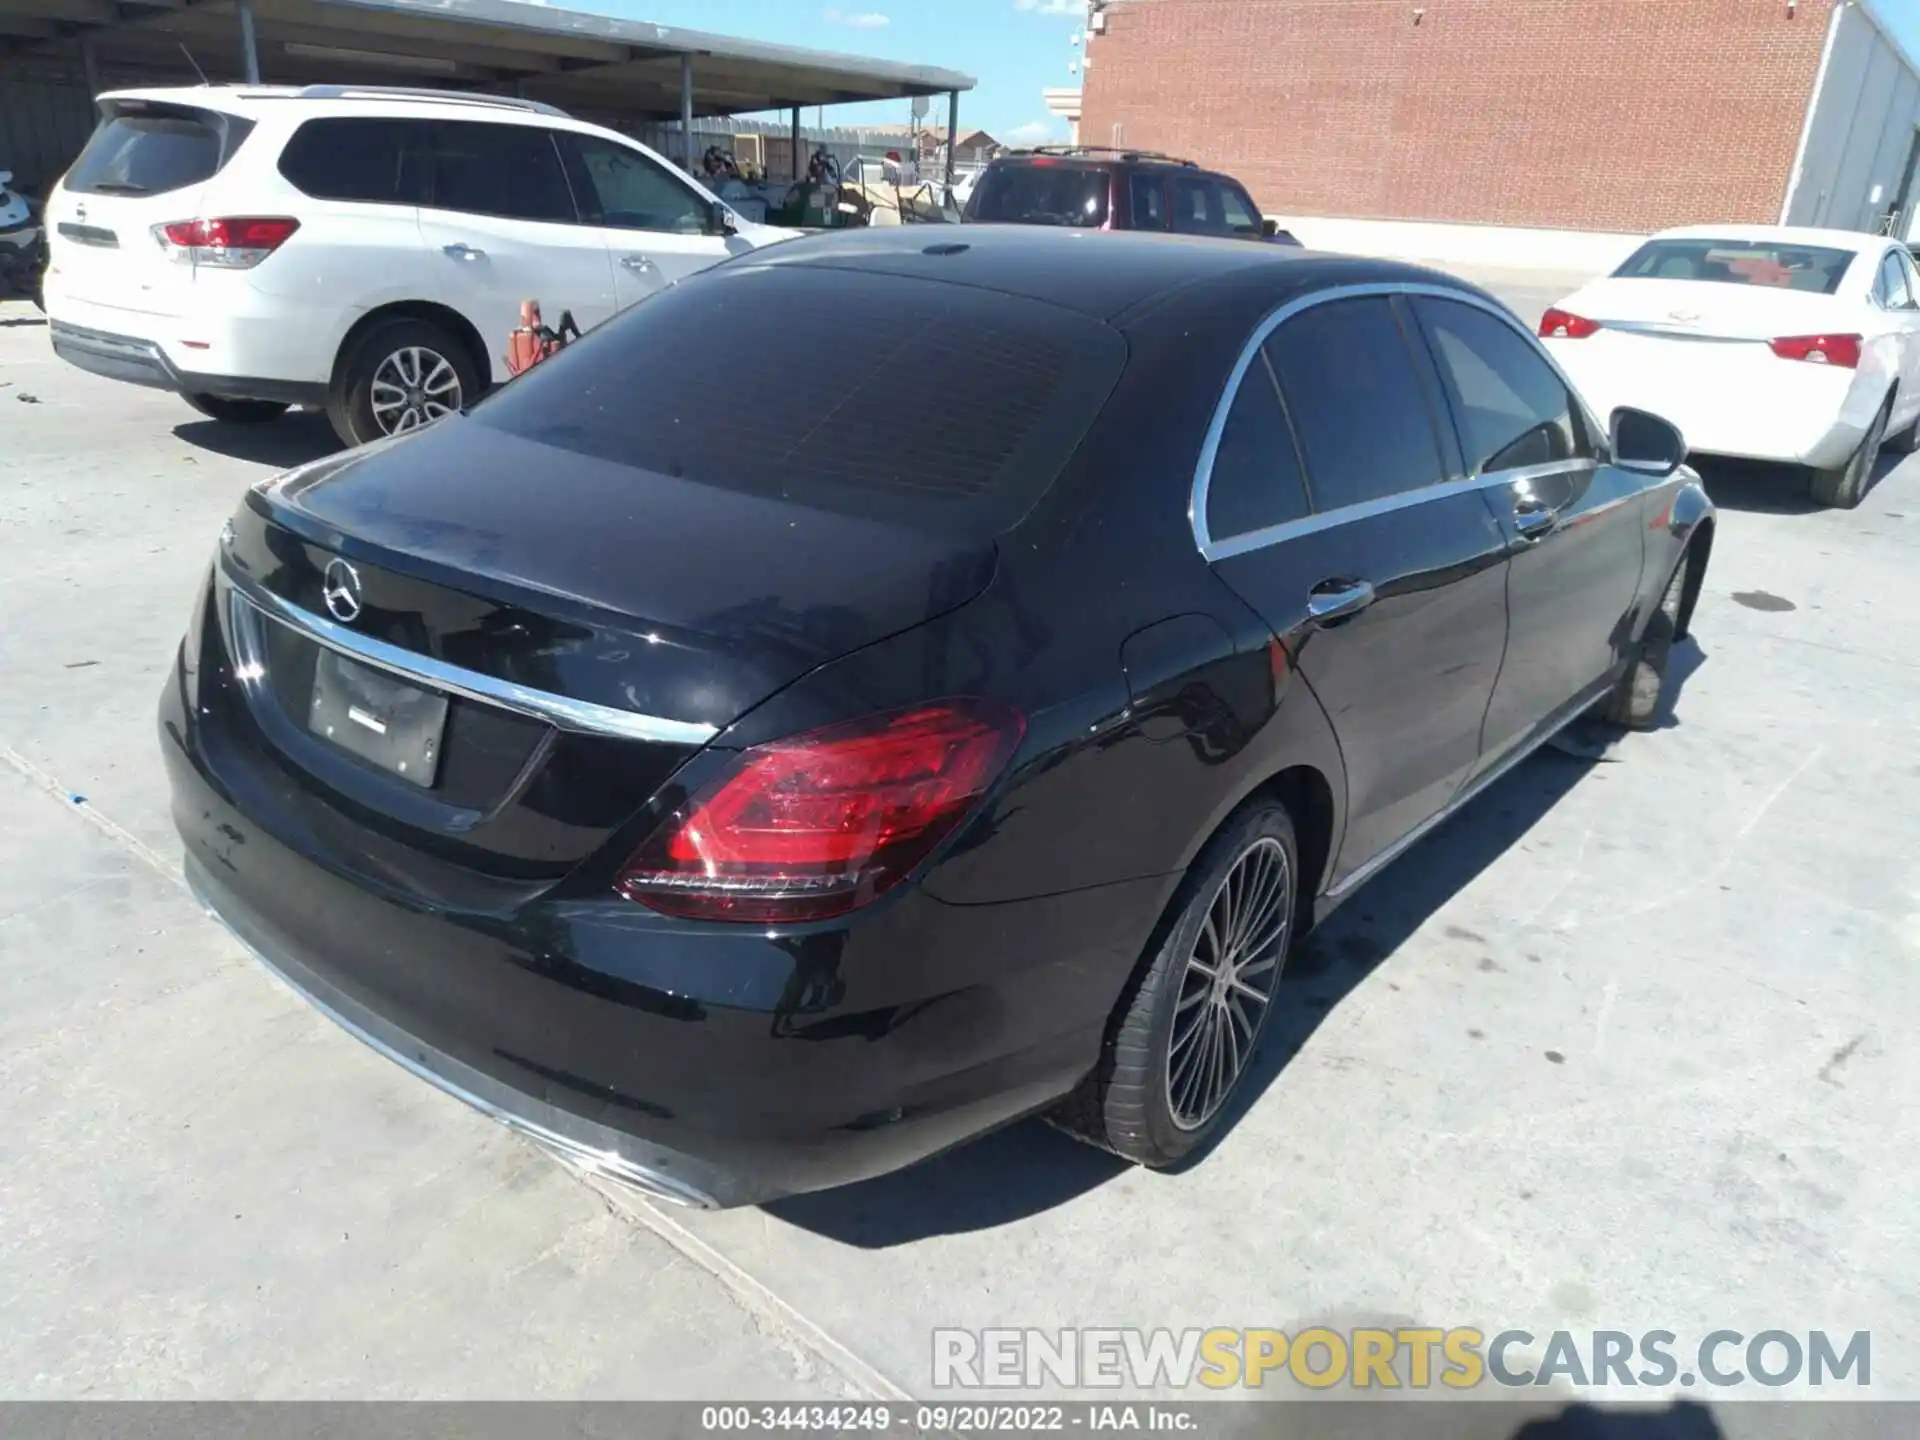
{"x":341,"y":590}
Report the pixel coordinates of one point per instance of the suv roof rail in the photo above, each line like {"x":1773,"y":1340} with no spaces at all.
{"x":1123,"y":151}
{"x":406,"y":92}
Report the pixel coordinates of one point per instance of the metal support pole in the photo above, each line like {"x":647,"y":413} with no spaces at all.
{"x":953,"y":131}
{"x":798,"y":168}
{"x":249,"y":43}
{"x":90,"y":67}
{"x":686,"y":110}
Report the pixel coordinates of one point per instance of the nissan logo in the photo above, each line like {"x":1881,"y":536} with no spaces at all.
{"x":341,"y":590}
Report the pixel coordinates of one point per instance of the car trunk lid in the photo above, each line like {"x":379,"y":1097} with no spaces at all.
{"x":1706,"y":310}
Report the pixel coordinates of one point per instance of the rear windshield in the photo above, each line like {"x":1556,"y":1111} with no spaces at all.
{"x":1040,"y":193}
{"x":1774,"y":263}
{"x":148,"y":149}
{"x":932,"y":405}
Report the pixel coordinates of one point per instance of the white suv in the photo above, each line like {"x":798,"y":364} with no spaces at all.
{"x":361,"y":249}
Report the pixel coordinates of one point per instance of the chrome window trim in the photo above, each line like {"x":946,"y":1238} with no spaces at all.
{"x":561,"y":710}
{"x":1213,"y":550}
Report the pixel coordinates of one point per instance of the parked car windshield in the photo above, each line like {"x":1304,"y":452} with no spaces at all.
{"x":1776,"y":263}
{"x":937,"y":406}
{"x":1040,"y":192}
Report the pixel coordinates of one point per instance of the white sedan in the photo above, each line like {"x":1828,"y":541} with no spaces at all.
{"x":1764,"y":341}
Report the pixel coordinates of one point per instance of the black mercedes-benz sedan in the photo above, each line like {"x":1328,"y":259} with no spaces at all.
{"x":882,"y":687}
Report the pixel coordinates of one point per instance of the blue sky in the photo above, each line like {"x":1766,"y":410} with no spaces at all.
{"x":1015,"y":48}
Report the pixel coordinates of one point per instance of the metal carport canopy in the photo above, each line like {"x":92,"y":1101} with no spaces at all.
{"x":582,"y":63}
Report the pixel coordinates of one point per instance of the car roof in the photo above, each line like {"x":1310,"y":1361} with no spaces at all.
{"x":1792,"y":234}
{"x":254,"y":101}
{"x":1102,"y":274}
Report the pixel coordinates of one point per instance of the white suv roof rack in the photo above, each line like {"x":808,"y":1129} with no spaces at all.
{"x":404,"y":92}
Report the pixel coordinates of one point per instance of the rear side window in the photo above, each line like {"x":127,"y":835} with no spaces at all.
{"x":508,"y":170}
{"x":1040,"y":192}
{"x":366,"y":159}
{"x":1778,"y":264}
{"x":1356,"y":402}
{"x":1892,"y":289}
{"x":1511,"y":407}
{"x":1255,"y":481}
{"x":149,"y":149}
{"x":954,"y":412}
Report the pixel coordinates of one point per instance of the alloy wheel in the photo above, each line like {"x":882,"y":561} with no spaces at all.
{"x":1228,"y":982}
{"x":413,"y":387}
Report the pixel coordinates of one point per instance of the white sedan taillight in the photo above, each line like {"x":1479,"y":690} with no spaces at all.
{"x":229,"y":244}
{"x":1841,"y":350}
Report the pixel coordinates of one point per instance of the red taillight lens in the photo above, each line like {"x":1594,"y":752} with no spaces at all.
{"x":1841,"y":350}
{"x":1565,"y":325}
{"x":824,"y":822}
{"x":234,"y":243}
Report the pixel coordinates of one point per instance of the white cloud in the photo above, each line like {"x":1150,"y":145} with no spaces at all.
{"x":1052,"y":7}
{"x":1034,"y":132}
{"x":862,"y":20}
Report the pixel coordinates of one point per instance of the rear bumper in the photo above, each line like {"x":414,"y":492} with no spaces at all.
{"x":699,"y":1064}
{"x":135,"y":361}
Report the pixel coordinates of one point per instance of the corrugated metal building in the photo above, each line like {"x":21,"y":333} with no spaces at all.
{"x":1587,"y":115}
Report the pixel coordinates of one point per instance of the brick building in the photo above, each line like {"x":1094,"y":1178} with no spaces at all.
{"x":1620,"y":116}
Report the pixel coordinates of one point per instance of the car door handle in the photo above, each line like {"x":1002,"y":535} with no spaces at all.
{"x":639,"y":264}
{"x":1332,"y":600}
{"x":463,"y":252}
{"x":1533,"y":519}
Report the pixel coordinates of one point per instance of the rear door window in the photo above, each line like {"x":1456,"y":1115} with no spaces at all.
{"x":512,"y":171}
{"x":360,"y":158}
{"x":997,"y":402}
{"x":148,"y":149}
{"x":1892,"y":288}
{"x":1355,"y":399}
{"x":1041,"y":192}
{"x":1256,"y":481}
{"x":1511,"y":408}
{"x":1149,"y":200}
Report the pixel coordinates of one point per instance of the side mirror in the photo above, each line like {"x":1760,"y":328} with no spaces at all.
{"x":1269,"y":228}
{"x":720,"y":220}
{"x":1645,"y":443}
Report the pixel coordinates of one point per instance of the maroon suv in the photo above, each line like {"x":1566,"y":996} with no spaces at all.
{"x":1098,"y":189}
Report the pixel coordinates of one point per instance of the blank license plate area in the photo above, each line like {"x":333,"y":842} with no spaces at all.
{"x":384,"y":721}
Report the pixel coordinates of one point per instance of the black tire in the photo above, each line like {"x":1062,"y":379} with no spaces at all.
{"x":1130,"y":1104}
{"x":237,"y":412}
{"x":1635,"y":701}
{"x":351,"y":404}
{"x":1905,"y":442}
{"x":1845,"y":486}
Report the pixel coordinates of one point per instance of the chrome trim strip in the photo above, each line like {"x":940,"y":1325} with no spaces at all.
{"x":1213,"y":550}
{"x":1406,"y":842}
{"x":606,"y":1164}
{"x":561,"y":710}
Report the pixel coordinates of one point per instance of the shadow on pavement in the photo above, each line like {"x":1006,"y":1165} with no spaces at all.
{"x":293,"y":439}
{"x":14,"y":322}
{"x":1764,"y":488}
{"x":1029,"y":1167}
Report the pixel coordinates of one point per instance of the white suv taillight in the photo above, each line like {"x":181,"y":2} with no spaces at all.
{"x":230,"y":244}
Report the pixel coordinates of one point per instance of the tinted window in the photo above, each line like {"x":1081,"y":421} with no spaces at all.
{"x":1242,"y":218}
{"x":1040,"y":193}
{"x":1511,"y":407}
{"x":1255,"y":481}
{"x":1196,"y":207}
{"x":624,"y":188}
{"x":1149,"y":209}
{"x":1355,"y":401}
{"x":364,"y":159}
{"x":150,"y":149}
{"x":1000,"y":392}
{"x":1891,"y":287}
{"x":509,"y":170}
{"x":1905,"y":261}
{"x":1775,"y":263}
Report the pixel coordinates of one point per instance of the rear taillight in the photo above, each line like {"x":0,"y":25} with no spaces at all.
{"x":231,"y":244}
{"x":823,"y":822}
{"x":1565,"y":325}
{"x":1841,"y":350}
